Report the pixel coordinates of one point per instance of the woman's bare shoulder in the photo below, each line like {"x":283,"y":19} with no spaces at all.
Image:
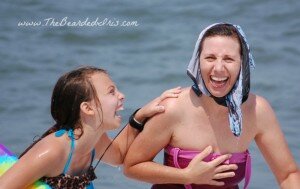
{"x":175,"y":106}
{"x":259,"y":103}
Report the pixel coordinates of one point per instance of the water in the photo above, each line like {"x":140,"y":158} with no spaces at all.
{"x":151,"y":56}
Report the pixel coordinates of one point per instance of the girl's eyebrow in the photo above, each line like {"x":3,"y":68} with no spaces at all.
{"x":111,"y":86}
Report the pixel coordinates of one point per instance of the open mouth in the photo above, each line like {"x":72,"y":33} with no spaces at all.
{"x":120,"y":108}
{"x":218,"y":82}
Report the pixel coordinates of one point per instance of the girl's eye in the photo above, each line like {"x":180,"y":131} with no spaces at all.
{"x":112,"y":92}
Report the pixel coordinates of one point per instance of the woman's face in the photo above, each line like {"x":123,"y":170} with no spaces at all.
{"x":111,"y":100}
{"x":220,"y":63}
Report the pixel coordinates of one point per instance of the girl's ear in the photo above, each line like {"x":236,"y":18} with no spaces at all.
{"x":87,"y":108}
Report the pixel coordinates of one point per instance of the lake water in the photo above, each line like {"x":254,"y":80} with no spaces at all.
{"x":146,"y":48}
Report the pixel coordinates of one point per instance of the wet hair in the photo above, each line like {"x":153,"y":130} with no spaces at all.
{"x":221,"y":30}
{"x":70,"y":91}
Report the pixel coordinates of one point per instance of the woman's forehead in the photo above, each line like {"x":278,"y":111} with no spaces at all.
{"x":221,"y":43}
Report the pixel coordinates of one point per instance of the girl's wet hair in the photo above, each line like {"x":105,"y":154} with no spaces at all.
{"x":220,"y":30}
{"x":69,"y":92}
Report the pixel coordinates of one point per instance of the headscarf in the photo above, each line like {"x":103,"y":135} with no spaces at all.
{"x":240,"y":91}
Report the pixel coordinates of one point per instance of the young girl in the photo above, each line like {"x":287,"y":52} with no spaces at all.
{"x":85,"y":105}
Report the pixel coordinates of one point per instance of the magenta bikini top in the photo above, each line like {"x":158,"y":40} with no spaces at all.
{"x":180,"y":158}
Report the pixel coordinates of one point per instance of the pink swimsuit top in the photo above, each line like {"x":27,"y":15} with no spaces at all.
{"x":179,"y":158}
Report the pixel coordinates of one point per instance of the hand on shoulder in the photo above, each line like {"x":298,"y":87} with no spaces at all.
{"x":172,"y":108}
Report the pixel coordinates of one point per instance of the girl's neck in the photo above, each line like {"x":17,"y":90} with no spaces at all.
{"x":88,"y":140}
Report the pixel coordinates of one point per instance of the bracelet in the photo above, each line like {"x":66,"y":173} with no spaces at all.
{"x":134,"y":123}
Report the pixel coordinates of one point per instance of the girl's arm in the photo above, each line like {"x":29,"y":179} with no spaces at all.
{"x":156,"y":135}
{"x":274,"y":148}
{"x":117,"y":151}
{"x":39,"y":161}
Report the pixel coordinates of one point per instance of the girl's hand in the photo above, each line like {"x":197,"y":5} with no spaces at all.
{"x":153,"y":107}
{"x":200,"y":172}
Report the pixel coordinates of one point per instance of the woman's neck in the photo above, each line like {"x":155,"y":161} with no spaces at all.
{"x":212,"y":107}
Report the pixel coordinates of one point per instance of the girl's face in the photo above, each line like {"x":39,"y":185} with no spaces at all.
{"x":111,"y":101}
{"x":220,"y":64}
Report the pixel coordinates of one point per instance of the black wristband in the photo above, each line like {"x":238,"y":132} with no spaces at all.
{"x":133,"y":123}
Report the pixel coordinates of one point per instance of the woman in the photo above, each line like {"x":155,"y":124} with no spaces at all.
{"x":213,"y":112}
{"x":84,"y":105}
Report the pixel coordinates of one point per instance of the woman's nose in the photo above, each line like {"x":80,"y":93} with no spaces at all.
{"x":219,"y":66}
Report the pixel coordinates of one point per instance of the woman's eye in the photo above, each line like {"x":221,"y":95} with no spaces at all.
{"x":229,"y":60}
{"x":210,"y":58}
{"x":112,"y":92}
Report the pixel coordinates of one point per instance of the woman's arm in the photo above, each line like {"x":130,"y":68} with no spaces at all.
{"x":274,"y":148}
{"x":156,"y":135}
{"x":117,"y":151}
{"x":41,"y":160}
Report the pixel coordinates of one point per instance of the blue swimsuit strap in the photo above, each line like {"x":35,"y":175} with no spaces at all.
{"x":71,"y":136}
{"x":61,"y":132}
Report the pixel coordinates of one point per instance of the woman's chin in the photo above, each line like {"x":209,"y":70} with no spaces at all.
{"x":218,"y":93}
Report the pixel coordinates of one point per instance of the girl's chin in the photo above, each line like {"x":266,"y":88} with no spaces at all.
{"x":114,"y":126}
{"x":118,"y":121}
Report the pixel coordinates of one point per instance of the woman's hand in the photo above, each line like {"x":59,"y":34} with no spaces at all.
{"x":200,"y":172}
{"x":154,"y":106}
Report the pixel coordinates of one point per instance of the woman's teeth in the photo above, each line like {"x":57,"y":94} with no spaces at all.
{"x":218,"y":79}
{"x":218,"y":82}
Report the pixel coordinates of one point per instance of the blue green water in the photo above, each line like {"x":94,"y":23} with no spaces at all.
{"x":144,"y":59}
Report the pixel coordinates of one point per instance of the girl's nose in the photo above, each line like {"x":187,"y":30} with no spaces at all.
{"x":121,"y":96}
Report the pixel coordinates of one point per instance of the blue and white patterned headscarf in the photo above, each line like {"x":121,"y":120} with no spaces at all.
{"x":240,"y":91}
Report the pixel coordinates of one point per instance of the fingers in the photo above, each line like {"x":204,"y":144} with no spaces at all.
{"x":153,"y":107}
{"x":203,"y":154}
{"x":223,"y":168}
{"x":223,"y":175}
{"x":158,"y":109}
{"x":175,"y":90}
{"x":220,"y":159}
{"x":171,"y":93}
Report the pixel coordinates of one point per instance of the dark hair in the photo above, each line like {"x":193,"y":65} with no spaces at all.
{"x":220,"y":30}
{"x":69,"y":92}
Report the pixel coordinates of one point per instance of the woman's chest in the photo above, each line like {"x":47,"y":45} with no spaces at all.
{"x":199,"y":130}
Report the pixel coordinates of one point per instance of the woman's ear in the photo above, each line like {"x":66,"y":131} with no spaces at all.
{"x":86,"y":107}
